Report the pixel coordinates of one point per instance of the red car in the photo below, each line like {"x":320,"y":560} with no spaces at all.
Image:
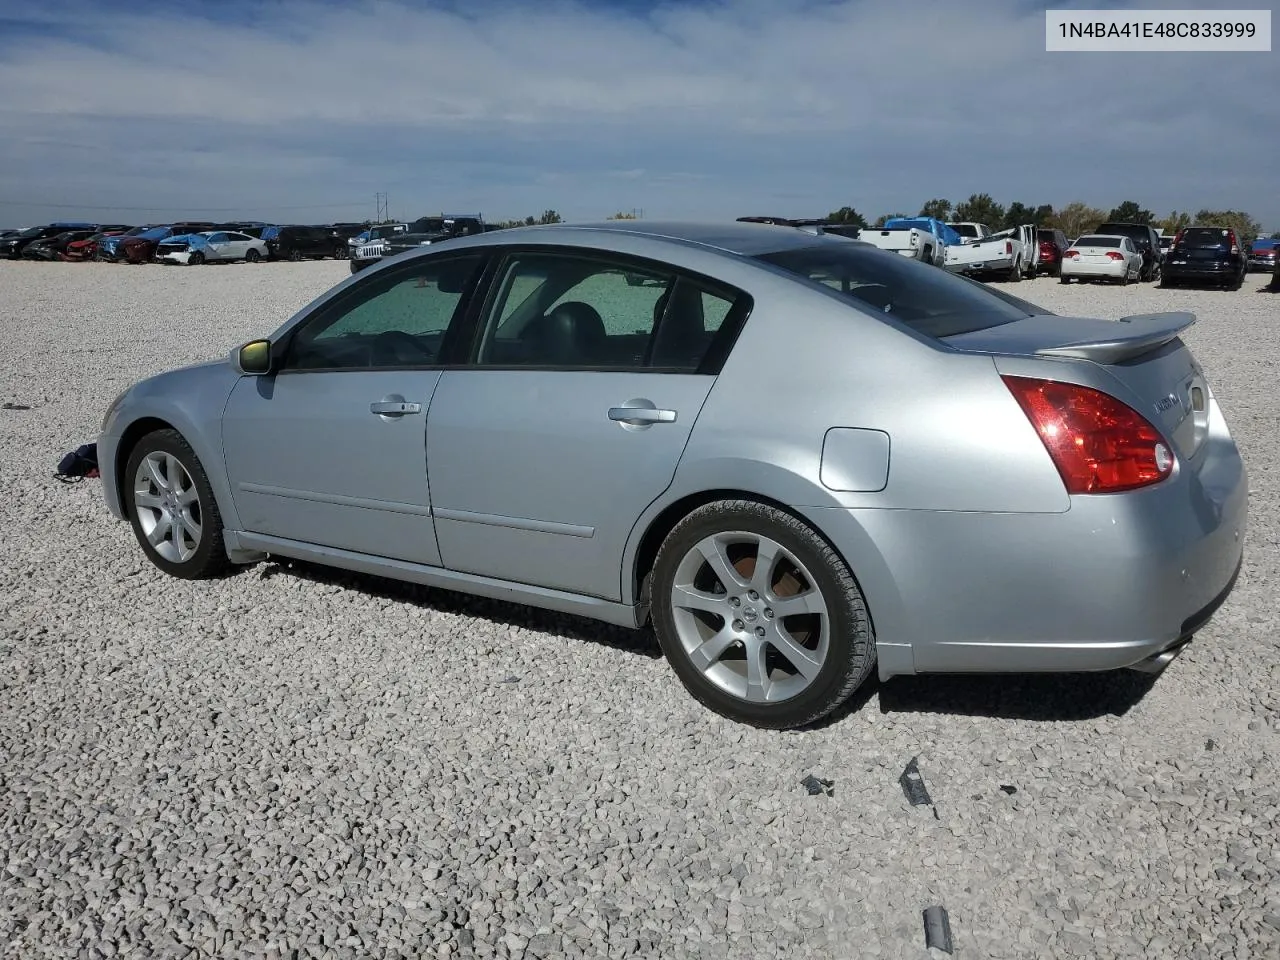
{"x":87,"y":248}
{"x":1053,"y":244}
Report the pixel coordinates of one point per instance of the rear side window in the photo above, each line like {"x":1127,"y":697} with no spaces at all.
{"x":930,"y":301}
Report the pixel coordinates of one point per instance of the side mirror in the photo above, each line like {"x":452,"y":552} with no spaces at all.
{"x":253,"y":359}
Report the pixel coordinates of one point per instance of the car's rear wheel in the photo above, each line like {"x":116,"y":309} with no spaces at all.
{"x":172,"y":509}
{"x":1015,"y":272}
{"x":295,"y":255}
{"x":195,"y":259}
{"x":758,"y":616}
{"x":252,"y":256}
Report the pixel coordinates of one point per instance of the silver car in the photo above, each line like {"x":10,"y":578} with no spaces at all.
{"x":796,"y":456}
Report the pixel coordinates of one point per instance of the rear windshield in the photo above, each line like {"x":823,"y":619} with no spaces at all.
{"x":1205,"y":237}
{"x":964,"y":229}
{"x":1134,"y":231}
{"x":1098,"y":242}
{"x":930,"y":301}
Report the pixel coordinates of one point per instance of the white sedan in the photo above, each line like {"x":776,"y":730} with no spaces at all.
{"x":1101,"y":257}
{"x":212,"y":246}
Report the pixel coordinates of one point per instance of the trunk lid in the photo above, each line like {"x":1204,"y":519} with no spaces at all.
{"x":1143,"y":352}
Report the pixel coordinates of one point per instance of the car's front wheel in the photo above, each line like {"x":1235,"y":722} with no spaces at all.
{"x":172,"y":509}
{"x":758,"y":616}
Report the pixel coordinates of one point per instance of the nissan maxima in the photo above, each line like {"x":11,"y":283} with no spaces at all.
{"x":798,"y":458}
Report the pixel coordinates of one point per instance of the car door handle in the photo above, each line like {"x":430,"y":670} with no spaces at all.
{"x":639,"y":415}
{"x":394,"y":407}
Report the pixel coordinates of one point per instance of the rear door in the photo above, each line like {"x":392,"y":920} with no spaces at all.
{"x":589,"y":375}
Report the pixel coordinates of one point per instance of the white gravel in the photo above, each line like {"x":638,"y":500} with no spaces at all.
{"x":295,"y":762}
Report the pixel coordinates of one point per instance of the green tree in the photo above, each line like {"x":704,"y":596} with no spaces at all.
{"x":623,"y":216}
{"x":981,"y":208}
{"x":1246,"y":228}
{"x":550,"y":216}
{"x":847,"y":215}
{"x":1043,"y":215}
{"x":1017,"y":215}
{"x":1178,"y":220}
{"x":1077,"y":218}
{"x":937,"y":208}
{"x":1130,"y":212}
{"x":885,"y":218}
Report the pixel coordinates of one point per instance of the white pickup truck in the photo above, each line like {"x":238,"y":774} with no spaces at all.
{"x":971,"y":231}
{"x":920,"y":238}
{"x":1012,"y":254}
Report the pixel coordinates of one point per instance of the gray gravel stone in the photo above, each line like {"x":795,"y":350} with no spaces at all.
{"x":294,"y":762}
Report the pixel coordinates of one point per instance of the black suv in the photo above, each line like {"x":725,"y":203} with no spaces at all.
{"x":1210,"y":255}
{"x":1147,"y":242}
{"x":295,"y":243}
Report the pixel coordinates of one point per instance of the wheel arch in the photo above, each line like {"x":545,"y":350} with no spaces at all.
{"x":129,"y":439}
{"x":838,"y":526}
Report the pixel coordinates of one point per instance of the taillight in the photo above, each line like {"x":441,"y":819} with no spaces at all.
{"x":1071,"y":253}
{"x":1112,"y":255}
{"x":1098,"y":444}
{"x":1008,"y":246}
{"x":1231,"y":237}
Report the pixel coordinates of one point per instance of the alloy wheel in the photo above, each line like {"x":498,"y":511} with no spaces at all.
{"x":167,"y":505}
{"x":750,"y":617}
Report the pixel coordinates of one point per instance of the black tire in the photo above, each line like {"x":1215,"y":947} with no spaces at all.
{"x":340,"y":251}
{"x":1062,"y":279}
{"x":1015,"y":272}
{"x":195,"y":259}
{"x":851,"y":650}
{"x":252,"y":256}
{"x":210,"y":556}
{"x":295,"y":255}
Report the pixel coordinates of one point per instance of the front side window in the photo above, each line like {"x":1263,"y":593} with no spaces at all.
{"x":395,"y":319}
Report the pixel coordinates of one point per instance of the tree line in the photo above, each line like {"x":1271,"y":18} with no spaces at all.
{"x":1074,"y":219}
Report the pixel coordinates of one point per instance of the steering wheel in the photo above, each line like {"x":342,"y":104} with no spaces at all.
{"x":393,"y":340}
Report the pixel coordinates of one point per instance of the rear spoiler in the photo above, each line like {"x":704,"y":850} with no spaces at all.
{"x":1135,"y":336}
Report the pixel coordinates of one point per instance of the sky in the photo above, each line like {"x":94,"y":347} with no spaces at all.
{"x":303,"y":110}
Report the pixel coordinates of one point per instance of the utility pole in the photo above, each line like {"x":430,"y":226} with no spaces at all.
{"x":384,"y":208}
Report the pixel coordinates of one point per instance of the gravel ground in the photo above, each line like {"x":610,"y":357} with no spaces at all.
{"x":297,"y":762}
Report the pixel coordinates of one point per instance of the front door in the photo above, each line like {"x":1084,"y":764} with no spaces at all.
{"x":588,"y":381}
{"x":332,"y":449}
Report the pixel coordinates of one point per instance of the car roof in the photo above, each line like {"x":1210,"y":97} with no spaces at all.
{"x":742,"y":239}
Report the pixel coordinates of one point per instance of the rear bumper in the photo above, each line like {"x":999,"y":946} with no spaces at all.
{"x":1112,"y":582}
{"x":1211,"y":272}
{"x":1112,"y":269}
{"x":1257,"y":263}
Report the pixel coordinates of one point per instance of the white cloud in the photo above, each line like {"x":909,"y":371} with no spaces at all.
{"x":693,"y":108}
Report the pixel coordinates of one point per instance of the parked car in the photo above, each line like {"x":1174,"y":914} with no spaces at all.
{"x":12,"y":246}
{"x":1145,"y":240}
{"x":1206,"y":255}
{"x":921,"y":238}
{"x":293,"y":242}
{"x":1101,"y":257}
{"x":218,"y":246}
{"x":52,"y":248}
{"x":504,"y":415}
{"x":1262,"y":254}
{"x":367,"y":248}
{"x":141,"y":248}
{"x":1053,"y":244}
{"x":971,"y":231}
{"x":108,"y":247}
{"x":425,"y":231}
{"x":1010,"y":254}
{"x":87,"y":247}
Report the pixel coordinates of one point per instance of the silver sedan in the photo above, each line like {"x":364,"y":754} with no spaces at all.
{"x":798,"y":457}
